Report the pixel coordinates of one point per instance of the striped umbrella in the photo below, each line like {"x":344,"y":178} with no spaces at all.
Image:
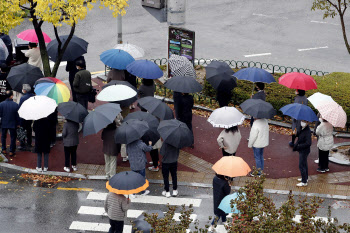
{"x":53,"y":88}
{"x":181,"y":66}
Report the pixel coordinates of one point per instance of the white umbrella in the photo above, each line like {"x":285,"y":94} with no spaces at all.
{"x":37,"y":107}
{"x":133,"y":50}
{"x":333,"y":113}
{"x":318,"y":98}
{"x":226,"y":117}
{"x":116,"y":93}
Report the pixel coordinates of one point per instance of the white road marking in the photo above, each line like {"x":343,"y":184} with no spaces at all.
{"x":152,"y":199}
{"x":94,"y":226}
{"x":325,"y":47}
{"x":313,"y":21}
{"x":63,"y":63}
{"x":257,"y":55}
{"x":270,"y":16}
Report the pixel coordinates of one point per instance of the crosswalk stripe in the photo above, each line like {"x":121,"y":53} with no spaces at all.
{"x":90,"y":210}
{"x":94,"y":226}
{"x":152,"y":199}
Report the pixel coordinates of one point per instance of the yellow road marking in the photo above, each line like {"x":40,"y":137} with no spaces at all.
{"x":76,"y":189}
{"x":97,"y":72}
{"x":4,"y":182}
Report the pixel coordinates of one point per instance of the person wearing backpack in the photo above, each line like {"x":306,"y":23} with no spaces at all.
{"x":82,"y":84}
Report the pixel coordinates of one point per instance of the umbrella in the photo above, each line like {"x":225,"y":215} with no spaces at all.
{"x":99,"y":118}
{"x":142,"y":225}
{"x":183,"y":84}
{"x":258,"y":108}
{"x":116,"y":93}
{"x":333,"y":113}
{"x":123,"y":103}
{"x":130,"y":131}
{"x":318,"y":98}
{"x":126,"y":183}
{"x":53,"y":88}
{"x":76,"y":47}
{"x":23,"y":74}
{"x":116,"y":58}
{"x":255,"y":75}
{"x":133,"y":50}
{"x":226,"y":117}
{"x":156,"y":107}
{"x":37,"y":107}
{"x":181,"y":66}
{"x":30,"y":35}
{"x":295,"y":80}
{"x":220,"y":76}
{"x":175,"y":133}
{"x":73,"y":111}
{"x":231,"y":166}
{"x":3,"y":51}
{"x":299,"y":112}
{"x":145,"y":69}
{"x":225,"y":204}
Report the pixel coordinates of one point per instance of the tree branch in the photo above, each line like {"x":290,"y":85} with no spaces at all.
{"x":335,"y":6}
{"x":345,"y":6}
{"x":40,"y":23}
{"x":58,"y":39}
{"x":24,"y":8}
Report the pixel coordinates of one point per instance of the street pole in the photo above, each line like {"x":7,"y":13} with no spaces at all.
{"x":176,"y":12}
{"x":120,"y":29}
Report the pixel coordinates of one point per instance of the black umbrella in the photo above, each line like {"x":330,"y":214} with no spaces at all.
{"x":130,"y":131}
{"x":220,"y":76}
{"x":175,"y":133}
{"x":183,"y":84}
{"x":73,"y":111}
{"x":258,"y":108}
{"x":99,"y":118}
{"x":76,"y":47}
{"x":141,"y":225}
{"x":156,"y":107}
{"x":23,"y":74}
{"x":126,"y":183}
{"x":127,"y":102}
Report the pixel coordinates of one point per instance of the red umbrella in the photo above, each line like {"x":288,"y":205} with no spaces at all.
{"x":30,"y":35}
{"x":295,"y":80}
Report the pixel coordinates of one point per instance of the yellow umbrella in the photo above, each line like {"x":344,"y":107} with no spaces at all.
{"x":231,"y":166}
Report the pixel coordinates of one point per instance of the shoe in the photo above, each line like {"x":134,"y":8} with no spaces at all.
{"x":327,"y":169}
{"x":75,"y":168}
{"x":39,"y":169}
{"x":151,"y":163}
{"x":22,"y":148}
{"x":125,"y":159}
{"x":11,"y":154}
{"x":153,"y":169}
{"x":211,"y":228}
{"x":301,"y":184}
{"x":299,"y":179}
{"x":46,"y":169}
{"x":175,"y":193}
{"x":291,"y":144}
{"x":52,"y":145}
{"x":166,"y":194}
{"x":316,"y":161}
{"x":132,"y":196}
{"x":252,"y":175}
{"x":66,"y":169}
{"x":145,"y":193}
{"x":4,"y":152}
{"x":321,"y":170}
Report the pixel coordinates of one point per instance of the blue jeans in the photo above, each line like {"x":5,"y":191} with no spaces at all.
{"x":143,"y":173}
{"x":46,"y":160}
{"x":259,"y":158}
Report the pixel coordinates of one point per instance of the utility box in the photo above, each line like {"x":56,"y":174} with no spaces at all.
{"x":158,"y":4}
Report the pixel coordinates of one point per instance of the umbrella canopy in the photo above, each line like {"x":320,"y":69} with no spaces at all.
{"x":220,"y":76}
{"x":53,"y":88}
{"x":175,"y":133}
{"x":3,"y":51}
{"x":145,"y":69}
{"x":126,"y":183}
{"x":226,"y":117}
{"x":295,"y":80}
{"x":23,"y":74}
{"x":142,"y":225}
{"x":183,"y":84}
{"x":254,"y":75}
{"x":258,"y":108}
{"x":98,"y":119}
{"x":333,"y":113}
{"x":116,"y":58}
{"x":135,"y":51}
{"x":116,"y":93}
{"x":181,"y":66}
{"x":231,"y":166}
{"x":156,"y":107}
{"x":30,"y":35}
{"x":225,"y":204}
{"x":318,"y":98}
{"x":72,"y":111}
{"x":75,"y":48}
{"x":130,"y":131}
{"x":299,"y":112}
{"x":123,"y":103}
{"x":37,"y":107}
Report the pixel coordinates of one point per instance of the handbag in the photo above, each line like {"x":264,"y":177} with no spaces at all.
{"x":21,"y":134}
{"x":92,"y":95}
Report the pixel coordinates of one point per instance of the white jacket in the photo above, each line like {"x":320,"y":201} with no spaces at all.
{"x":259,"y":134}
{"x":34,"y":57}
{"x":229,"y":140}
{"x":325,"y":136}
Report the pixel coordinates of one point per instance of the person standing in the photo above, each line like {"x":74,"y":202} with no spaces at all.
{"x":42,"y":142}
{"x":229,"y":140}
{"x":260,"y":94}
{"x":4,"y":84}
{"x":71,"y":68}
{"x":258,"y":140}
{"x":223,"y":97}
{"x":115,"y":74}
{"x":70,"y":136}
{"x":186,"y":103}
{"x":325,"y":142}
{"x":9,"y":122}
{"x":177,"y":98}
{"x":155,"y":156}
{"x":147,"y":88}
{"x":116,"y":206}
{"x":7,"y":40}
{"x":169,"y":164}
{"x":26,"y":144}
{"x":300,"y":98}
{"x":303,"y":145}
{"x":82,"y":84}
{"x":34,"y":56}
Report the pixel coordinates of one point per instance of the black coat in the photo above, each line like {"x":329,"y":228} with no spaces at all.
{"x":109,"y":146}
{"x":177,"y":97}
{"x":221,"y":189}
{"x":223,"y":97}
{"x":72,"y":69}
{"x":42,"y":138}
{"x":130,"y":78}
{"x":259,"y":95}
{"x":304,"y":141}
{"x":185,"y":108}
{"x":4,"y":86}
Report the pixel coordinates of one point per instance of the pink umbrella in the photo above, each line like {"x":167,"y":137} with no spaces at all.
{"x":30,"y":35}
{"x":295,"y":80}
{"x":333,"y":113}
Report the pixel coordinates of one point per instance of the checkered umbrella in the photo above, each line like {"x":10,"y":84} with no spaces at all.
{"x":181,"y":66}
{"x":333,"y":113}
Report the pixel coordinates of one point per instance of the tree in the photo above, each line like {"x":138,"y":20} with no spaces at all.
{"x":332,"y":8}
{"x":55,"y":12}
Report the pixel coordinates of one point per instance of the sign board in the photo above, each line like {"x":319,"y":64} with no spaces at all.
{"x":181,"y":42}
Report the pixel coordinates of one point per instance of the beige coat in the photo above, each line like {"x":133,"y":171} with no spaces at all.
{"x":325,"y":136}
{"x":34,"y":58}
{"x":229,"y":140}
{"x":259,"y":134}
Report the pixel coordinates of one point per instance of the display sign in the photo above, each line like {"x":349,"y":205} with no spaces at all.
{"x":181,"y":42}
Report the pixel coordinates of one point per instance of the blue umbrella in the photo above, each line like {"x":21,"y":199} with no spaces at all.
{"x":145,"y":69}
{"x":225,"y":204}
{"x":116,"y":58}
{"x":299,"y":112}
{"x":254,"y":75}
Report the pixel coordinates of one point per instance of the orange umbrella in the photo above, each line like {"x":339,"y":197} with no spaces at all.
{"x":231,"y":166}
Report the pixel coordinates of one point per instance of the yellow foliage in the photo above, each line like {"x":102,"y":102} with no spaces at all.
{"x":10,"y":15}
